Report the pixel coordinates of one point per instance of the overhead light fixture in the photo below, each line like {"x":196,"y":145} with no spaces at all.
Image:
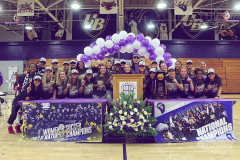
{"x":161,"y":4}
{"x":237,"y":6}
{"x":87,"y":26}
{"x":151,"y":25}
{"x":75,"y":5}
{"x":28,"y":27}
{"x":204,"y":26}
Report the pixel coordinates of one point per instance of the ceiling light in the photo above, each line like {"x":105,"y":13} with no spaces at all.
{"x":75,"y":5}
{"x":204,"y":26}
{"x":28,"y":27}
{"x":151,"y":25}
{"x":237,"y":5}
{"x":87,"y":26}
{"x":161,"y":4}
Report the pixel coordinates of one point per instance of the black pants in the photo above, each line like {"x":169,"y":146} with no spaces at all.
{"x":1,"y":100}
{"x":15,"y":108}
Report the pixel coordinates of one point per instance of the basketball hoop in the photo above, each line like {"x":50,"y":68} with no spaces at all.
{"x":226,"y":15}
{"x":17,"y":18}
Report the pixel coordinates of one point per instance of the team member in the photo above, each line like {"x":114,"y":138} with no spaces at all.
{"x":60,"y":85}
{"x":73,"y":64}
{"x":99,"y":88}
{"x":55,"y":67}
{"x":213,"y":85}
{"x":67,"y":69}
{"x":154,"y":64}
{"x":123,"y":62}
{"x":94,"y":66}
{"x":41,"y":68}
{"x":86,"y":89}
{"x":81,"y":70}
{"x":199,"y":84}
{"x":203,"y":66}
{"x":187,"y":83}
{"x":1,"y":99}
{"x":47,"y":84}
{"x":135,"y":61}
{"x":109,"y":83}
{"x":32,"y":91}
{"x":163,"y":67}
{"x":149,"y":84}
{"x":190,"y":68}
{"x":174,"y":83}
{"x":109,"y":65}
{"x":178,"y":66}
{"x":142,"y":70}
{"x":127,"y":69}
{"x":73,"y":85}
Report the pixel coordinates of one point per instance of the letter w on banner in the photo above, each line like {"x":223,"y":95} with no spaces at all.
{"x":108,"y":7}
{"x":25,"y":8}
{"x":183,"y":7}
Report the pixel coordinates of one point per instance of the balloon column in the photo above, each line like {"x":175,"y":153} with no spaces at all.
{"x":127,"y":43}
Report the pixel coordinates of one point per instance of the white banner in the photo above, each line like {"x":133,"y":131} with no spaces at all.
{"x":25,"y":8}
{"x":108,"y":7}
{"x":183,"y":7}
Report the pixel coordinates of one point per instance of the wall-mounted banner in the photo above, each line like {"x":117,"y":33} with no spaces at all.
{"x":183,"y":7}
{"x":108,"y":7}
{"x":25,"y":8}
{"x":185,"y":121}
{"x":62,"y":122}
{"x":102,"y":25}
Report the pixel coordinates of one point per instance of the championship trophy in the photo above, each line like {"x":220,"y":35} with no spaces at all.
{"x":160,"y":89}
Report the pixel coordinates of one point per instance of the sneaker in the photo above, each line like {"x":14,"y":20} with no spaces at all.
{"x":18,"y":130}
{"x":10,"y":130}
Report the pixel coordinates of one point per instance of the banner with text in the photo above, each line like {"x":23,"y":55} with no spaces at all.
{"x":25,"y":8}
{"x":194,"y":121}
{"x":65,"y":122}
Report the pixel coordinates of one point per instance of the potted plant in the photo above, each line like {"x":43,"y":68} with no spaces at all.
{"x":130,"y":118}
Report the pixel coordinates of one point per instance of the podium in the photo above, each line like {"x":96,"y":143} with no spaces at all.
{"x":127,"y":83}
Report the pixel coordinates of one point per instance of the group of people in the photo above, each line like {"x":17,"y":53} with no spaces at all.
{"x":74,"y":80}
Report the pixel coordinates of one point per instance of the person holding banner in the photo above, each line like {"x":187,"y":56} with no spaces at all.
{"x":31,"y":91}
{"x":174,"y":84}
{"x":60,"y":85}
{"x":187,"y":83}
{"x":199,"y":84}
{"x":213,"y":85}
{"x":99,"y":88}
{"x":47,"y":84}
{"x":73,"y":85}
{"x":67,"y":69}
{"x":86,"y":89}
{"x":55,"y":67}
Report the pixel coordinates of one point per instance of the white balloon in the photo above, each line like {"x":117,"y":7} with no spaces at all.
{"x":123,"y":49}
{"x":173,"y":60}
{"x":149,"y":38}
{"x":129,"y":48}
{"x":109,"y":44}
{"x":87,"y":64}
{"x":155,"y":42}
{"x":88,"y":51}
{"x":132,"y":34}
{"x":136,"y":44}
{"x":96,"y":49}
{"x":79,"y":57}
{"x":146,"y":55}
{"x":123,"y":35}
{"x":116,"y":38}
{"x":159,"y":58}
{"x":142,"y":51}
{"x":159,"y":51}
{"x":100,"y":42}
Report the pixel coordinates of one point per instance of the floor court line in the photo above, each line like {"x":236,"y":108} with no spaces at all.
{"x":124,"y":152}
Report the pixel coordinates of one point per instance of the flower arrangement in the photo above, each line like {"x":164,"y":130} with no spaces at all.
{"x":128,"y":117}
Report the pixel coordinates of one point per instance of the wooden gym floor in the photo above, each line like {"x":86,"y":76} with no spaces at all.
{"x":12,"y":149}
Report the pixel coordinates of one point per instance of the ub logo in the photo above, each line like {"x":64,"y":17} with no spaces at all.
{"x":98,"y":22}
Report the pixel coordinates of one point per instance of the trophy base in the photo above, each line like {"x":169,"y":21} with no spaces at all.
{"x":163,"y":96}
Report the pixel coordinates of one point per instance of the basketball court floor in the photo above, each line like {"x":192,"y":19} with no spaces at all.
{"x":12,"y":149}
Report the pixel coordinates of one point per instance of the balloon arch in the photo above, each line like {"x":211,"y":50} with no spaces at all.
{"x":127,"y":43}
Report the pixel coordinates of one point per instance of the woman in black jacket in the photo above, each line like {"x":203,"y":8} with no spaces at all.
{"x":31,"y":91}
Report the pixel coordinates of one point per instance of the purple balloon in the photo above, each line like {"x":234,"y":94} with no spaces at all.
{"x":94,"y":56}
{"x":152,"y":57}
{"x":116,"y":47}
{"x":84,"y":58}
{"x":89,"y":58}
{"x":168,"y":63}
{"x":100,"y":56}
{"x":167,"y":56}
{"x":135,"y":51}
{"x":92,"y":45}
{"x":109,"y":37}
{"x":111,"y":51}
{"x":145,"y":42}
{"x":150,"y":49}
{"x":104,"y":50}
{"x":130,"y":39}
{"x":122,"y":42}
{"x":163,"y":46}
{"x":140,"y":37}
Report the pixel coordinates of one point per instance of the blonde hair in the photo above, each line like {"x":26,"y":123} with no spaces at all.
{"x":90,"y":66}
{"x":183,"y":67}
{"x":58,"y":80}
{"x":57,"y":72}
{"x":45,"y":79}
